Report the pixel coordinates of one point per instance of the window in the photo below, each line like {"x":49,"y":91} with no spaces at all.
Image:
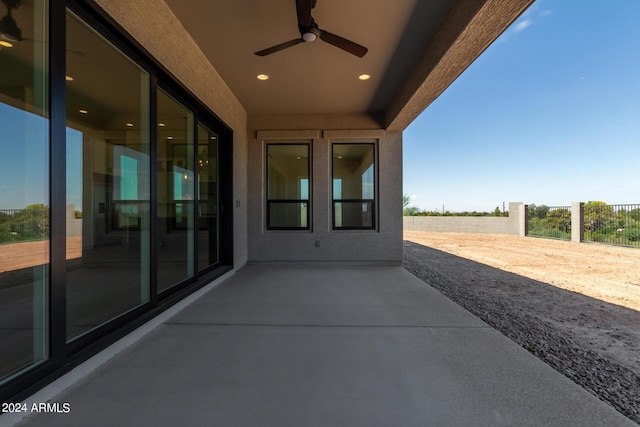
{"x":24,"y":194}
{"x":176,"y":187}
{"x":353,"y":177}
{"x":125,"y":225}
{"x":288,"y":187}
{"x":208,"y":198}
{"x":108,"y":190}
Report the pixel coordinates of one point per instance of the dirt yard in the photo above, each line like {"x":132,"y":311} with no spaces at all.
{"x":15,"y":256}
{"x":574,"y":305}
{"x":607,"y":273}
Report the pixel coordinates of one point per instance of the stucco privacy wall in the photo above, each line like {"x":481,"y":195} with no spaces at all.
{"x":513,"y":224}
{"x":156,"y":28}
{"x":381,"y":245}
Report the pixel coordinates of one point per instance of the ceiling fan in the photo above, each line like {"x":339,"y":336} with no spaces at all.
{"x":9,"y":30}
{"x":309,"y":31}
{"x":11,"y":34}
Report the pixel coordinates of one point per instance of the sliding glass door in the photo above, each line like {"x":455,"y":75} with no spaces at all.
{"x":110,"y":188}
{"x":24,"y":189}
{"x":176,"y":192}
{"x":108,"y":181}
{"x":208,"y":196}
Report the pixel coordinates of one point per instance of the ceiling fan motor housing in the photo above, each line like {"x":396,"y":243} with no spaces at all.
{"x":310,"y":34}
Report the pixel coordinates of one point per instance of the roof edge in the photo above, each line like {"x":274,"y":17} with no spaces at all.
{"x":468,"y":30}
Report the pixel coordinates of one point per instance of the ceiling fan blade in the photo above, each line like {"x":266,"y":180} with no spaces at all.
{"x":303,"y":8}
{"x":278,"y":47}
{"x":71,"y":51}
{"x":344,"y":44}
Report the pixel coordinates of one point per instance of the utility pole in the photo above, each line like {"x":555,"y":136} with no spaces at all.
{"x":503,"y":210}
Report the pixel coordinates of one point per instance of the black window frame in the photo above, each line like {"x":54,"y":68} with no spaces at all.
{"x":63,"y":355}
{"x":372,"y":202}
{"x":269,"y":201}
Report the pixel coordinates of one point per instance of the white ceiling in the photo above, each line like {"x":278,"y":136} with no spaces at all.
{"x":312,"y":77}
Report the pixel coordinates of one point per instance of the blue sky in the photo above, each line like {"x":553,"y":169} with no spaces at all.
{"x":549,"y":114}
{"x":24,"y":160}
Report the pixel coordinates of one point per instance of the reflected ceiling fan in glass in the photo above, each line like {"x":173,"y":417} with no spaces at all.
{"x":10,"y":33}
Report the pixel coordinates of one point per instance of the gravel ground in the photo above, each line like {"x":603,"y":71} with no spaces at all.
{"x":569,"y":331}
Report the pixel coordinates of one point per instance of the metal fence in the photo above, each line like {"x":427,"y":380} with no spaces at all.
{"x":9,"y":212}
{"x":552,"y":222}
{"x":30,"y":223}
{"x":612,"y":224}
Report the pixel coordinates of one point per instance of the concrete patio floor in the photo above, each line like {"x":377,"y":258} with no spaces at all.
{"x":325,"y":345}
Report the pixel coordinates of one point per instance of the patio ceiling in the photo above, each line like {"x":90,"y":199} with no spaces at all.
{"x":409,"y":42}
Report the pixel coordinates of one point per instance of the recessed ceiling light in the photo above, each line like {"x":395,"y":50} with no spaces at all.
{"x":68,"y":78}
{"x":83,"y":111}
{"x":169,"y":137}
{"x":262,"y":77}
{"x":161,"y":125}
{"x":364,"y":76}
{"x":130,"y":125}
{"x":4,"y":43}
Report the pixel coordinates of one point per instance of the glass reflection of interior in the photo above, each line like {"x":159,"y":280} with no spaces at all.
{"x":288,"y":186}
{"x":176,"y":189}
{"x":24,"y":187}
{"x":107,"y":181}
{"x":353,"y":186}
{"x":207,"y":169}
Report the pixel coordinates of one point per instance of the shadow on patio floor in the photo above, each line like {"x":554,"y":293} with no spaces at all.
{"x":594,"y":343}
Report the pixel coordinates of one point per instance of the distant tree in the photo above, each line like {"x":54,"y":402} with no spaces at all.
{"x":539,"y":212}
{"x":497,"y":211}
{"x":560,"y":219}
{"x":30,"y":223}
{"x":406,"y":209}
{"x":410,"y":211}
{"x":405,"y":200}
{"x":597,"y":215}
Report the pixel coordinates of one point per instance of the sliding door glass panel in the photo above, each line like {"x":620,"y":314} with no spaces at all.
{"x":176,"y":190}
{"x":107,"y":181}
{"x":24,"y":187}
{"x":207,"y":168}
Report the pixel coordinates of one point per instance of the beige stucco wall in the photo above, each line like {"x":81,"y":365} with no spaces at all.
{"x":155,"y":27}
{"x":514,"y":224}
{"x":322,"y":243}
